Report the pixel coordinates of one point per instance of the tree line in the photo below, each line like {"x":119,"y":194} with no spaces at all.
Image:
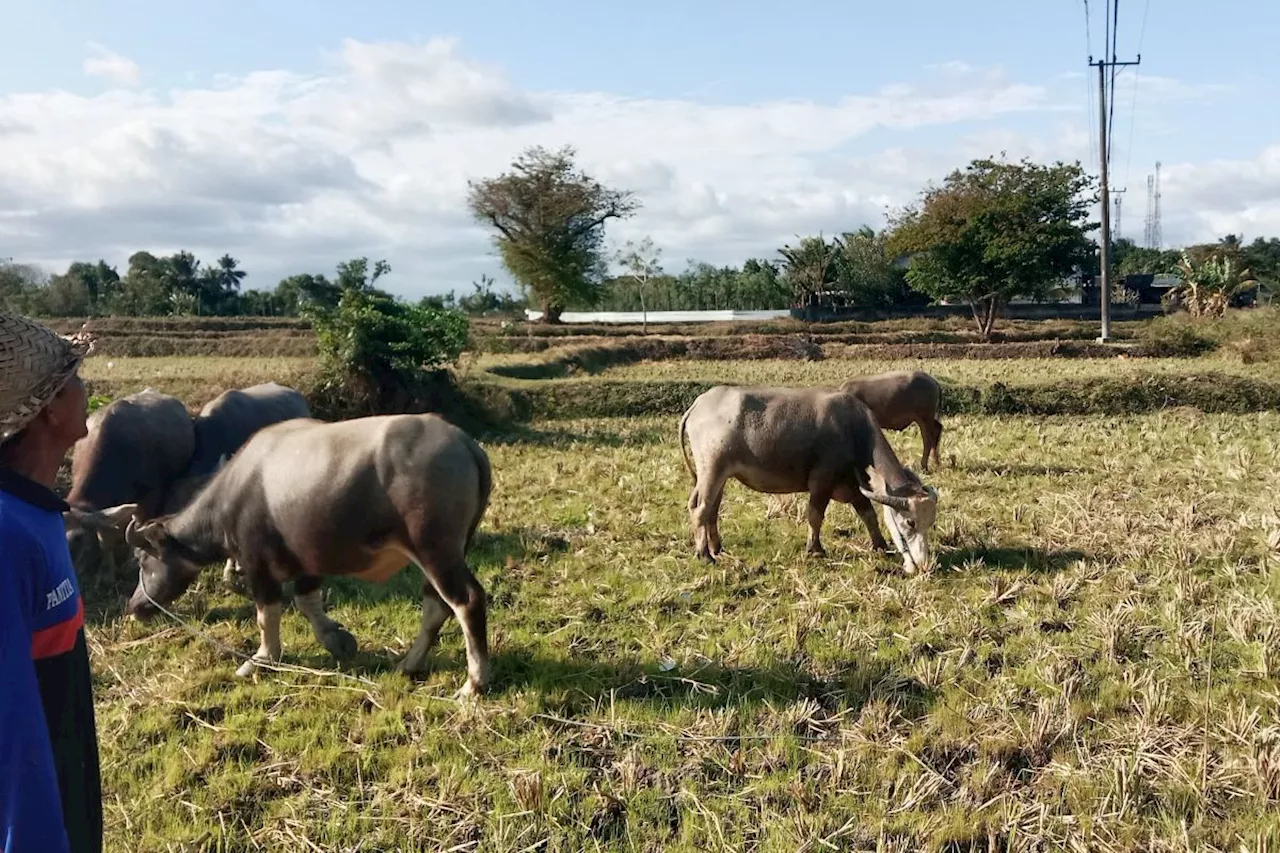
{"x":991,"y":231}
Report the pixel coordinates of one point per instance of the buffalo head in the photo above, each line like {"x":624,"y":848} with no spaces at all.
{"x":909,"y":512}
{"x":95,"y":539}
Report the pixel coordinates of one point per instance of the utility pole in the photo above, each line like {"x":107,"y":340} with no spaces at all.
{"x":1104,"y":296}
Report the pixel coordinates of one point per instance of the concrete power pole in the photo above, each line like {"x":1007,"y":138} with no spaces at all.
{"x":1104,"y":155}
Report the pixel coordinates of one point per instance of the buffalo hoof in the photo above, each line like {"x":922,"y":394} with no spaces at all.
{"x":816,"y":551}
{"x":340,"y":643}
{"x":705,"y":556}
{"x":409,"y":667}
{"x":469,"y":691}
{"x":248,"y":667}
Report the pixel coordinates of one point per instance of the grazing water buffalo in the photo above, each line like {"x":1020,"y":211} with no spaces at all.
{"x":227,"y":422}
{"x":135,"y":448}
{"x":786,"y":440}
{"x":222,"y":427}
{"x":900,"y":399}
{"x":304,"y":499}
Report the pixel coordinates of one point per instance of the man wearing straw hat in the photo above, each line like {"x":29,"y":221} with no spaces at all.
{"x":50,"y":794}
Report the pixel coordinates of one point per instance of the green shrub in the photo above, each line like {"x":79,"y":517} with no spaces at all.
{"x":371,"y":337}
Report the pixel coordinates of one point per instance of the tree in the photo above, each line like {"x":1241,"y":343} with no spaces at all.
{"x":219,"y":286}
{"x":866,"y":272}
{"x":809,"y":267}
{"x":1263,"y":257}
{"x":19,"y":287}
{"x":144,"y":290}
{"x":997,"y":230}
{"x":354,"y":274}
{"x":297,"y":291}
{"x":1129,"y":258}
{"x":550,"y":218}
{"x":641,"y":262}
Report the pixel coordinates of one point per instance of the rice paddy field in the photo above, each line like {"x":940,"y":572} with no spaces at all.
{"x":1094,"y":664}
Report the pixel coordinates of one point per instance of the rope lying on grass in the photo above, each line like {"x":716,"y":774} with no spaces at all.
{"x":257,"y":662}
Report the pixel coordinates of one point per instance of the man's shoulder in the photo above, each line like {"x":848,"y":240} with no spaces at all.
{"x":35,"y":543}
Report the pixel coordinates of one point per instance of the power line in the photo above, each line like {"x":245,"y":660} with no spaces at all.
{"x":1133,"y":106}
{"x":1111,"y":118}
{"x":1104,"y":157}
{"x":1088,"y":86}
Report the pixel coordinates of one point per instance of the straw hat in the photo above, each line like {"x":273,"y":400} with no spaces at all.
{"x":35,"y":362}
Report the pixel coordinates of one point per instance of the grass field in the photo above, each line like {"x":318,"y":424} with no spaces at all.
{"x":963,"y":371}
{"x":1095,"y":663}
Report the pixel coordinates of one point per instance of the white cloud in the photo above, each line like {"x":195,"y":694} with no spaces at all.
{"x":112,"y":66}
{"x":292,"y":172}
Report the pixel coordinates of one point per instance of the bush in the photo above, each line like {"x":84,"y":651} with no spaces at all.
{"x":374,"y":338}
{"x":1173,"y":337}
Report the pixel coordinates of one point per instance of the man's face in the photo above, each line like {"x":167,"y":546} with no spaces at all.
{"x":67,"y":414}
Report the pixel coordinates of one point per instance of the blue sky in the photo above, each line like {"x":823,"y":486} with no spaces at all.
{"x":907,"y":90}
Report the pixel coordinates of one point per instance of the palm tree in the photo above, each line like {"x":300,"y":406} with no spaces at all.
{"x":810,"y":266}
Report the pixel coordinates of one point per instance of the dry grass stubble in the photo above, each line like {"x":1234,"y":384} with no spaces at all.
{"x":1095,"y":665}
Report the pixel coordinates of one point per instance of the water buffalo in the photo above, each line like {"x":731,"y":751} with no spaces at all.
{"x":900,"y":399}
{"x":786,"y":440}
{"x":227,"y":422}
{"x":222,"y":427}
{"x":304,"y":499}
{"x":135,"y":448}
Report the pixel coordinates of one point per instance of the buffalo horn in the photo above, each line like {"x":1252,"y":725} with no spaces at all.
{"x":134,"y":536}
{"x":898,"y":503}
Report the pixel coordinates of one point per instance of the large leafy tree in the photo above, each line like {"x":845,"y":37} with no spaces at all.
{"x":550,"y":217}
{"x":996,"y":230}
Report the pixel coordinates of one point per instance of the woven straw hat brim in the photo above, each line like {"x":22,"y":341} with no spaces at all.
{"x":35,"y":362}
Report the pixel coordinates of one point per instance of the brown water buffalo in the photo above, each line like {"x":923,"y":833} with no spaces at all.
{"x":903,"y":398}
{"x":135,"y":449}
{"x":786,"y":440}
{"x":304,"y":499}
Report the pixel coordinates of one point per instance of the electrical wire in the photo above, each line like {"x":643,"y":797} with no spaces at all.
{"x":1133,"y":106}
{"x":1088,"y":84}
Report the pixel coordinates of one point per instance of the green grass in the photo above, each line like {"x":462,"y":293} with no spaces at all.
{"x":1096,"y":663}
{"x":1018,"y":371}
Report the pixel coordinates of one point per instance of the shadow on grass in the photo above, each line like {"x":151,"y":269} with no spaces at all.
{"x":572,"y":686}
{"x":1012,"y":558}
{"x":105,"y":598}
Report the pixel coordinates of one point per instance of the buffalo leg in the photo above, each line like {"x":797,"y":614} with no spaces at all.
{"x":269,"y":647}
{"x":937,"y":442}
{"x":820,"y":490}
{"x":704,"y":514}
{"x":867,"y":512}
{"x":336,"y":639}
{"x":460,"y":590}
{"x":434,"y":614}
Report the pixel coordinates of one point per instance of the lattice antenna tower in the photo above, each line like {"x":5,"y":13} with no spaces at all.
{"x":1150,"y":215}
{"x":1156,"y":236}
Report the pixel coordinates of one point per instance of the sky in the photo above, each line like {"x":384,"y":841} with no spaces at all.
{"x":294,"y":134}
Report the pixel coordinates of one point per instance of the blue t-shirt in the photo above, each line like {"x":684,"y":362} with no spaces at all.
{"x":50,"y":795}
